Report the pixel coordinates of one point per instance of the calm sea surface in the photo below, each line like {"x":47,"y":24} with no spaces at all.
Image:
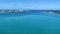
{"x":29,"y":23}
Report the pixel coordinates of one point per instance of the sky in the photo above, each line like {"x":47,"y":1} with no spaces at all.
{"x":30,"y":4}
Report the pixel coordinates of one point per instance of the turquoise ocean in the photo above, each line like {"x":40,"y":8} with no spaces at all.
{"x":31,"y":22}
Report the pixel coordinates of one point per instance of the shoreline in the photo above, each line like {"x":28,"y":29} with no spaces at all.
{"x":46,"y":11}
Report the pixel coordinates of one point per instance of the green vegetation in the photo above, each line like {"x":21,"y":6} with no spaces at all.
{"x":57,"y":12}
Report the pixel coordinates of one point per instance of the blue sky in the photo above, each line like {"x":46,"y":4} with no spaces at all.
{"x":30,"y":4}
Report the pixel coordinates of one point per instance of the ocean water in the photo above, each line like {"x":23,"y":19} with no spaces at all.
{"x":29,"y":23}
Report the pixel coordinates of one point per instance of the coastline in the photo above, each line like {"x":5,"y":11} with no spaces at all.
{"x":45,"y":11}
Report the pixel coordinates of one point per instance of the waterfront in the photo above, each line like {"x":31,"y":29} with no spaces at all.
{"x":46,"y":11}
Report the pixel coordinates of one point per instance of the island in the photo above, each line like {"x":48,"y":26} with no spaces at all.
{"x":18,"y":10}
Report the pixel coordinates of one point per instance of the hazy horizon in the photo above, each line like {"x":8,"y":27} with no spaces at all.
{"x":30,"y":4}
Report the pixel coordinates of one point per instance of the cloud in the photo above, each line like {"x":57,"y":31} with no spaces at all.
{"x":29,"y":4}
